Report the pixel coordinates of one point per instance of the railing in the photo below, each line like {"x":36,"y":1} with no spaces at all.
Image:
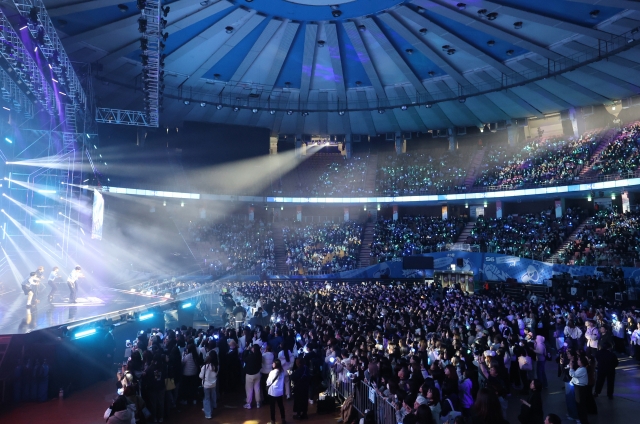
{"x":365,"y":398}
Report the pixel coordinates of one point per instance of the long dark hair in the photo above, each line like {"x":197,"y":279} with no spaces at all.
{"x":424,"y":415}
{"x":212,"y":359}
{"x":487,"y":407}
{"x":286,"y":352}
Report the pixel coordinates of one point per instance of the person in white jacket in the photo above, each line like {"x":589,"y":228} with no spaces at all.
{"x":286,"y":359}
{"x":634,"y":341}
{"x":209,"y":376}
{"x":267,"y":366}
{"x":275,"y":390}
{"x":592,"y":335}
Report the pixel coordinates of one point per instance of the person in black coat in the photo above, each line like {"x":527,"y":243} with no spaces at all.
{"x":531,"y":410}
{"x":300,"y":379}
{"x":607,"y":363}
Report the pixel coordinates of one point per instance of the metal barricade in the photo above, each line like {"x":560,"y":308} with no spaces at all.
{"x":365,"y":397}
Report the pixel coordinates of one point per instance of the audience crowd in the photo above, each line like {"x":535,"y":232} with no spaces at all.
{"x":540,"y":162}
{"x":235,"y":245}
{"x":621,"y":155}
{"x":342,"y":178}
{"x":419,"y":172}
{"x":534,"y":236}
{"x":610,"y":239}
{"x":413,"y":235}
{"x":431,"y":355}
{"x":322,"y":248}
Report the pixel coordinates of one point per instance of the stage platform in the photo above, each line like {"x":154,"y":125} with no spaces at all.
{"x":98,"y":303}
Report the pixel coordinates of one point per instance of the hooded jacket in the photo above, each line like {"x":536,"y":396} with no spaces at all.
{"x":540,"y":349}
{"x":126,"y":416}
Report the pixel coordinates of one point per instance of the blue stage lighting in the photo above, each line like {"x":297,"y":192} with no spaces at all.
{"x":145,"y":317}
{"x":85,"y":333}
{"x":8,"y":140}
{"x":186,"y":305}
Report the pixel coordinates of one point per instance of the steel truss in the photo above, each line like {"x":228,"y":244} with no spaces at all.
{"x":42,"y":29}
{"x":124,"y":117}
{"x":27,"y":71}
{"x":151,"y":79}
{"x":12,"y":94}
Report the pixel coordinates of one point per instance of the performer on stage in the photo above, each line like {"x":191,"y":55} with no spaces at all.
{"x":53,"y":282}
{"x":72,"y":282}
{"x":40,"y":273}
{"x":30,"y":288}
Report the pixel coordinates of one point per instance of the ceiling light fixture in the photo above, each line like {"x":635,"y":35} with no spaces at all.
{"x":423,"y":31}
{"x":461,"y":6}
{"x":431,"y":73}
{"x":517,"y":25}
{"x":289,"y":112}
{"x":403,"y":107}
{"x":462,"y":99}
{"x":409,"y":51}
{"x":421,"y":10}
{"x":594,"y":13}
{"x":305,"y":113}
{"x":186,"y":102}
{"x":428,"y":105}
{"x":123,"y":8}
{"x":451,"y":51}
{"x":362,"y":28}
{"x":482,"y":12}
{"x":236,"y":108}
{"x":492,"y":16}
{"x":203,"y":104}
{"x":491,"y":43}
{"x":381,"y":111}
{"x":272,"y":112}
{"x":229,"y":29}
{"x":446,"y":47}
{"x":321,"y":43}
{"x":358,"y":83}
{"x":218,"y":106}
{"x":510,"y":52}
{"x":254,"y":110}
{"x":336,"y":13}
{"x":341,"y":112}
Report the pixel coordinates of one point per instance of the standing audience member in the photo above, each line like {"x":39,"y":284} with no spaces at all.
{"x":275,"y":390}
{"x":531,"y":410}
{"x":252,"y":367}
{"x":300,"y":379}
{"x":607,"y":364}
{"x":209,"y":375}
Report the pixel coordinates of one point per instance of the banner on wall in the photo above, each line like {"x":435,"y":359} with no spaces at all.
{"x":445,"y":213}
{"x":395,"y":212}
{"x":346,"y":214}
{"x":251,"y":213}
{"x":558,"y":208}
{"x":299,"y":213}
{"x":499,"y":209}
{"x":97,"y":217}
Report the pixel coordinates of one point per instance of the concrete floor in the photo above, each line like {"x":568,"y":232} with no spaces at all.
{"x":88,"y":406}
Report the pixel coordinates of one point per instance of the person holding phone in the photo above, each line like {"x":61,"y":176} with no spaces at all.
{"x":275,"y":390}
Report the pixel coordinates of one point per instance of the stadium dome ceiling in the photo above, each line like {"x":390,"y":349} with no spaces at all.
{"x":363,"y":66}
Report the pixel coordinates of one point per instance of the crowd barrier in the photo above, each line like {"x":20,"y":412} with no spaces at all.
{"x":342,"y":384}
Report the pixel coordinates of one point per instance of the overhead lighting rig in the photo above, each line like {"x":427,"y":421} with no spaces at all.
{"x":42,"y":30}
{"x":26,"y":69}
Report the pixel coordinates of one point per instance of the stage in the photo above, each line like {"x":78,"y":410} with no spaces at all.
{"x":16,"y":318}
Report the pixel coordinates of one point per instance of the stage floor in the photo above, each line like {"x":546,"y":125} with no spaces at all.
{"x":16,"y":318}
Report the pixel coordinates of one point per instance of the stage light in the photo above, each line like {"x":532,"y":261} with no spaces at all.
{"x":5,"y":108}
{"x":8,"y":141}
{"x":35,"y":50}
{"x":62,"y":93}
{"x":182,"y":204}
{"x":218,"y":107}
{"x":186,"y":305}
{"x":341,"y":112}
{"x":146,"y":317}
{"x":88,"y":136}
{"x":40,"y":221}
{"x":54,"y":80}
{"x":203,"y":104}
{"x":84,"y":333}
{"x":589,"y":198}
{"x":272,"y":112}
{"x":254,"y":110}
{"x":236,"y":108}
{"x":23,"y":28}
{"x":47,"y":191}
{"x":403,"y":107}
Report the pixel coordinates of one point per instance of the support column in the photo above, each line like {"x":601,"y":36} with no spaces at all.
{"x":347,"y":145}
{"x":512,"y":133}
{"x":298,"y":142}
{"x":451,"y":134}
{"x":577,"y":122}
{"x":273,"y":145}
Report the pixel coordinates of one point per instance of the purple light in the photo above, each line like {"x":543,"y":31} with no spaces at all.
{"x":36,"y":49}
{"x":54,"y":80}
{"x":50,"y":66}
